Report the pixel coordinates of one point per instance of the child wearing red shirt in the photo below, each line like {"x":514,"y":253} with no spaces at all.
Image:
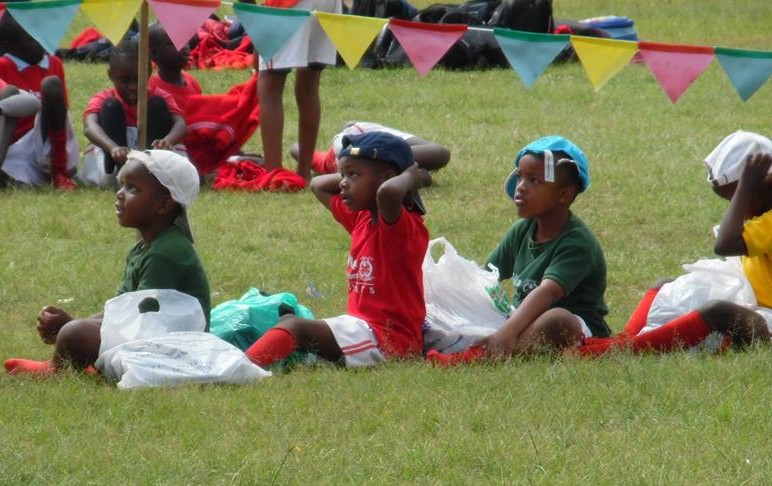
{"x":375,"y":198}
{"x":110,"y":119}
{"x":44,"y":146}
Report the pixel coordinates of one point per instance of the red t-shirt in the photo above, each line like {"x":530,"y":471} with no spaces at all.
{"x":385,"y":281}
{"x":96,"y":102}
{"x":29,"y":78}
{"x":3,"y":84}
{"x":181,"y":94}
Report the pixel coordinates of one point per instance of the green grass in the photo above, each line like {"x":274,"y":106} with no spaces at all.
{"x":677,"y":419}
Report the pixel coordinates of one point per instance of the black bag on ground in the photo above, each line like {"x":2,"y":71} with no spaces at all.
{"x":477,"y":48}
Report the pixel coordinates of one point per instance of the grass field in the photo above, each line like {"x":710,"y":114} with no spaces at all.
{"x":677,"y":419}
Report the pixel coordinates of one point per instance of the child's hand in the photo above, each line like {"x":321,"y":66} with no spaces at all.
{"x":161,"y":143}
{"x":756,"y":170}
{"x":499,"y":345}
{"x":50,"y":321}
{"x":119,"y":154}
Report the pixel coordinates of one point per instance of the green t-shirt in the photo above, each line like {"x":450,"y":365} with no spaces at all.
{"x":574,"y":260}
{"x":168,"y":262}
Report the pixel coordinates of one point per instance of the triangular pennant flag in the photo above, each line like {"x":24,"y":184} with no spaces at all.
{"x":112,"y":17}
{"x":675,"y":66}
{"x":747,"y":70}
{"x":351,"y":34}
{"x":269,"y":28}
{"x":529,"y":53}
{"x":46,"y":21}
{"x":425,"y":44}
{"x":602,"y":58}
{"x":182,"y":18}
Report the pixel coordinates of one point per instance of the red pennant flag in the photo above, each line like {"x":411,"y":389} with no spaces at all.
{"x":675,"y":66}
{"x":425,"y":44}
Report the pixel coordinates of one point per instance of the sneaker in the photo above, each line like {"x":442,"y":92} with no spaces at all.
{"x":64,"y":182}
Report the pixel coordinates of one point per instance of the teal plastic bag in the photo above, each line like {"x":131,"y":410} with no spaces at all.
{"x":241,"y":322}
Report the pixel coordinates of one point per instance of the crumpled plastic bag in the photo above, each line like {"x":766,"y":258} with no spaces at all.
{"x":460,"y":305}
{"x":148,"y":313}
{"x":175,"y":359}
{"x":705,"y":280}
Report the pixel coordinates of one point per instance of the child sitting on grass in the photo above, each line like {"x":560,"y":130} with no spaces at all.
{"x":157,"y":188}
{"x":555,"y":261}
{"x":429,"y":155}
{"x":110,"y":118}
{"x":218,"y":125}
{"x":13,"y":105}
{"x":739,"y":171}
{"x":374,"y":197}
{"x":44,"y":148}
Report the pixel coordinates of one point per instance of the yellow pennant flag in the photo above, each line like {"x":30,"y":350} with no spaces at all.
{"x":351,"y":34}
{"x":111,"y":17}
{"x":603,"y":58}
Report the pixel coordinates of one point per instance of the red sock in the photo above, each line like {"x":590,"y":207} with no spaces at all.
{"x":19,"y":366}
{"x":471,"y":355}
{"x":274,"y":345}
{"x":686,"y":331}
{"x":59,"y":175}
{"x":638,"y":318}
{"x":324,"y":162}
{"x":683,"y":332}
{"x":595,"y":347}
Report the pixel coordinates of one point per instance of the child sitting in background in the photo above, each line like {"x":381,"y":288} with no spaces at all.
{"x":374,"y":197}
{"x":110,"y":118}
{"x":429,"y":156}
{"x":44,"y":148}
{"x":170,"y":62}
{"x":556,"y":262}
{"x":13,"y":105}
{"x":157,"y":188}
{"x":739,"y":171}
{"x":217,"y":125}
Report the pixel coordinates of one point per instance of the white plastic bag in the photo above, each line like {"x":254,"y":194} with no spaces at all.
{"x":459,"y":306}
{"x":124,"y":320}
{"x":178,"y":358}
{"x":705,"y":280}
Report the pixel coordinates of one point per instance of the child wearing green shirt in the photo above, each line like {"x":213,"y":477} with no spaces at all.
{"x":554,"y":260}
{"x":156,"y":188}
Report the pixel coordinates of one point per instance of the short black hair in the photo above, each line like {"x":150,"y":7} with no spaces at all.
{"x":126,"y":51}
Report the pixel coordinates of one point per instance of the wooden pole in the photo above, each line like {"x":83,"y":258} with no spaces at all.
{"x":143,"y":75}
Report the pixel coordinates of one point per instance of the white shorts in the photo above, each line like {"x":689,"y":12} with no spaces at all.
{"x":356,"y":340}
{"x":92,"y":168}
{"x":309,"y":44}
{"x":586,"y":332}
{"x":29,"y":159}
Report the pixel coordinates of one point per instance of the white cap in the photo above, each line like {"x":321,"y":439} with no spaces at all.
{"x":726,"y":162}
{"x":177,"y":174}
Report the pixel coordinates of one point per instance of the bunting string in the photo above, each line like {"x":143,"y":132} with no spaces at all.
{"x":675,"y":67}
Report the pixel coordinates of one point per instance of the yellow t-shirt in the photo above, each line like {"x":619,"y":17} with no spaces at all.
{"x":757,"y":266}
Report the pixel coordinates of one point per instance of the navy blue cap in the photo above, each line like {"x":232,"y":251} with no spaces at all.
{"x":553,"y":143}
{"x":382,"y":147}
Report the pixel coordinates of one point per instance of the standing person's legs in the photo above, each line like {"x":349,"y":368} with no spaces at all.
{"x":309,"y":116}
{"x":270,"y":90}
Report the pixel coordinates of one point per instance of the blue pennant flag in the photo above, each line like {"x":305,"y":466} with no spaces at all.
{"x":528,"y":53}
{"x":270,"y":28}
{"x":747,"y":70}
{"x":47,"y":21}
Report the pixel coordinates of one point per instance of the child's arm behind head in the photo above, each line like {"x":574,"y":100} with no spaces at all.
{"x":393,"y":191}
{"x":325,"y":187}
{"x":729,"y":240}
